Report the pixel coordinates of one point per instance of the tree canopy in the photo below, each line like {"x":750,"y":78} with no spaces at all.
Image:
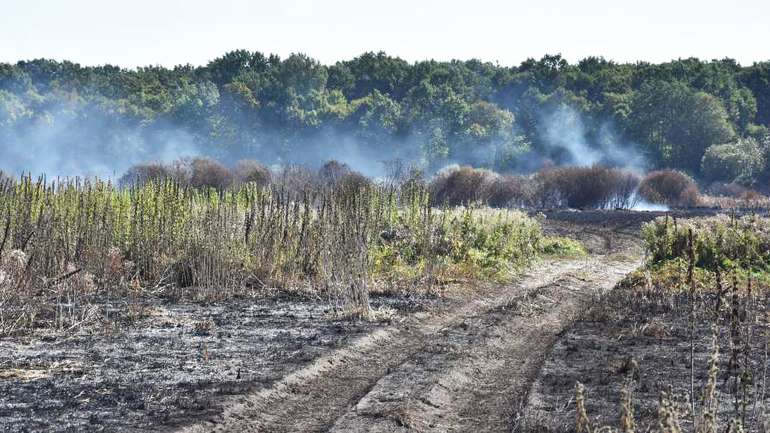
{"x":375,"y":107}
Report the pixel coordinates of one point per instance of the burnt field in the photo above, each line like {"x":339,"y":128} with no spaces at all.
{"x":455,"y":355}
{"x":177,"y":364}
{"x":185,"y":362}
{"x":196,"y":238}
{"x":692,"y":321}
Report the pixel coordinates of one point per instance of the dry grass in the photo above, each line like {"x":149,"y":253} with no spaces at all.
{"x":704,"y":277}
{"x":73,"y":250}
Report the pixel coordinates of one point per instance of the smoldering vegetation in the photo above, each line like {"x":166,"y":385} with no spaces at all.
{"x":552,"y":187}
{"x":592,"y":187}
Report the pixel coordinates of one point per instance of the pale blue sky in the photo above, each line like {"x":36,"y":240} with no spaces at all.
{"x":169,"y":32}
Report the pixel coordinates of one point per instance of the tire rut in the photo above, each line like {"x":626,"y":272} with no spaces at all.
{"x":466,"y":369}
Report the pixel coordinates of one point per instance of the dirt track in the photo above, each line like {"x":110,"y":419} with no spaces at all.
{"x":465,"y":369}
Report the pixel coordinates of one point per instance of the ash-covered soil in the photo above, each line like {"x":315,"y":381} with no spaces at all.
{"x":461,"y":370}
{"x":646,"y":343}
{"x":178,"y":364}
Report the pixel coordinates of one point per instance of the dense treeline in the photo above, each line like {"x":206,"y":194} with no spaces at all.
{"x":709,"y":119}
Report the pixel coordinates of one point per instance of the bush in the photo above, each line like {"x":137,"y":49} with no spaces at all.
{"x":353,"y":182}
{"x":718,"y":242}
{"x":400,"y":172}
{"x":669,"y":187}
{"x":721,"y":189}
{"x":741,"y":162}
{"x":731,"y":196}
{"x":577,"y":187}
{"x":207,"y":173}
{"x":585,"y":187}
{"x":338,"y":175}
{"x":250,"y":171}
{"x":455,"y":186}
{"x":141,"y":174}
{"x":333,"y":171}
{"x":296,"y":179}
{"x":511,"y":191}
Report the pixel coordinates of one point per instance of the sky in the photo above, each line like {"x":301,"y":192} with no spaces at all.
{"x":171,"y":32}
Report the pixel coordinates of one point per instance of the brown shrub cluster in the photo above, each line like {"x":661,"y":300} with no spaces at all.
{"x":295,"y":179}
{"x":141,"y":174}
{"x":670,"y":187}
{"x":586,"y":187}
{"x":576,"y":187}
{"x":208,"y":173}
{"x":197,"y":173}
{"x":721,"y":189}
{"x":552,"y":187}
{"x":511,"y":191}
{"x":299,"y":179}
{"x":338,"y":174}
{"x":251,"y":171}
{"x":733,"y":196}
{"x":456,"y":186}
{"x":333,"y":171}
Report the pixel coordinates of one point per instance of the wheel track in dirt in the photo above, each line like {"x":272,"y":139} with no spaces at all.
{"x":466,"y":369}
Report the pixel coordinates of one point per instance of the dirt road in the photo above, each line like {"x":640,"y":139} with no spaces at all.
{"x":465,"y":369}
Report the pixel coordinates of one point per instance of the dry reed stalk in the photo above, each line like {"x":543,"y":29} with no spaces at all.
{"x":582,"y":422}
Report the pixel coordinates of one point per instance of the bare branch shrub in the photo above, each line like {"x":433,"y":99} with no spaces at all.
{"x":586,"y":187}
{"x":669,"y":187}
{"x":251,"y":171}
{"x":295,"y":179}
{"x":141,"y":174}
{"x":208,"y":173}
{"x":511,"y":191}
{"x":456,"y":186}
{"x":333,"y":172}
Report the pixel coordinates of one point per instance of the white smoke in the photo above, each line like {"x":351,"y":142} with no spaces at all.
{"x":565,"y":134}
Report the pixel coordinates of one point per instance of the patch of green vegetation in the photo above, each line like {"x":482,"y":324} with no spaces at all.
{"x":562,"y":247}
{"x":465,"y":243}
{"x":730,"y":249}
{"x":720,"y":242}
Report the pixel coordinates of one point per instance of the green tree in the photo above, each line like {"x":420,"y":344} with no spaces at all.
{"x":678,"y":123}
{"x":741,"y":161}
{"x":757,"y":79}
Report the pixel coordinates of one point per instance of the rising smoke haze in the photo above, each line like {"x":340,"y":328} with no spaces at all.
{"x":68,"y":143}
{"x":64,"y":120}
{"x":565,"y":134}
